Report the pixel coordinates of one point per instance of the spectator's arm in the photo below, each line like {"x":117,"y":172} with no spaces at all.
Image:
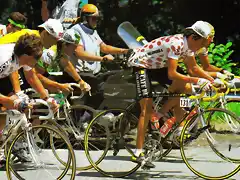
{"x":44,"y":11}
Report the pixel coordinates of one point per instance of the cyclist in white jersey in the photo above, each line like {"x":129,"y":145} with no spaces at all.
{"x":24,"y":54}
{"x":212,"y":70}
{"x":158,"y":60}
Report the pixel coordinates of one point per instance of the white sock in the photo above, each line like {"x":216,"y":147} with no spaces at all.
{"x":138,"y":152}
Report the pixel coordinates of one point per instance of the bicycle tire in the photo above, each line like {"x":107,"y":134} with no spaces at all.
{"x":228,"y":101}
{"x":95,"y":164}
{"x":82,"y":107}
{"x":71,"y":155}
{"x":183,"y":154}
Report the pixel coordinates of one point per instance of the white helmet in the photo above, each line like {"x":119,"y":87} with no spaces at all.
{"x":70,"y":36}
{"x":53,"y":27}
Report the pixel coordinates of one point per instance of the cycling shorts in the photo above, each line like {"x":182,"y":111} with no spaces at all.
{"x":144,"y":77}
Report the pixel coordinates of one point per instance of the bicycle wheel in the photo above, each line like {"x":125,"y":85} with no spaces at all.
{"x":231,"y":104}
{"x":73,"y":126}
{"x":38,"y":158}
{"x":209,"y":144}
{"x":108,"y":143}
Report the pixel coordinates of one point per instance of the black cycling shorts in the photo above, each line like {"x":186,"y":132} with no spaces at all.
{"x":145,"y":76}
{"x":6,"y":86}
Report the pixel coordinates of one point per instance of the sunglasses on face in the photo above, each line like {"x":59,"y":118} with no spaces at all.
{"x":94,"y":18}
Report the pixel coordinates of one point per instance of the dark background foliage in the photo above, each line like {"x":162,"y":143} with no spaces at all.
{"x":153,"y":18}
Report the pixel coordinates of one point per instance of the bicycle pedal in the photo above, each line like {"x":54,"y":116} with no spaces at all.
{"x":115,"y":152}
{"x":145,"y":168}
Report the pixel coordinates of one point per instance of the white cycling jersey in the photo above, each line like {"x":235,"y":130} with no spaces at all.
{"x":8,"y":61}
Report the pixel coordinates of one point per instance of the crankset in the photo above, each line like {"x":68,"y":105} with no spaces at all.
{"x":117,"y":144}
{"x":195,"y":135}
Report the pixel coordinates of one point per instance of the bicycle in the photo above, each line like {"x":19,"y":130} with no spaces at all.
{"x":116,"y":140}
{"x":36,"y":153}
{"x":72,"y":121}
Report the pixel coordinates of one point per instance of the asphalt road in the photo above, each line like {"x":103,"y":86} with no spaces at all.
{"x":171,"y":167}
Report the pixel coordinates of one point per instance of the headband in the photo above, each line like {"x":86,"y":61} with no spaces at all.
{"x":16,"y":24}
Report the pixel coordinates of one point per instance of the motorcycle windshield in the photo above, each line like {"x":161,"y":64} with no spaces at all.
{"x":130,"y":35}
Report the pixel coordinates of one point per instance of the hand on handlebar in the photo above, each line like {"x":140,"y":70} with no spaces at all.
{"x":108,"y":57}
{"x":85,"y":87}
{"x":66,"y":88}
{"x":22,"y":96}
{"x":221,"y":76}
{"x":16,"y":103}
{"x":204,"y":84}
{"x":218,"y":83}
{"x":229,"y":74}
{"x":53,"y":104}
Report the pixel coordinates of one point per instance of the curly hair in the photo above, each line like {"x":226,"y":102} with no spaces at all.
{"x":18,"y":18}
{"x":29,"y":45}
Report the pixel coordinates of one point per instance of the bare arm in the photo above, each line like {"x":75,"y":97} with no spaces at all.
{"x":82,"y":54}
{"x":14,"y":78}
{"x":195,"y":70}
{"x":44,"y":11}
{"x":174,"y":75}
{"x":111,"y":49}
{"x":36,"y":84}
{"x":7,"y":102}
{"x":204,"y":60}
{"x":48,"y":83}
{"x":69,"y":68}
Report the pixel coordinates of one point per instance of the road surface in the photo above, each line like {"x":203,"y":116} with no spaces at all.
{"x":172,"y":167}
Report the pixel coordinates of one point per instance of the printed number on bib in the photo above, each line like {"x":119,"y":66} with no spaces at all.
{"x":185,"y":102}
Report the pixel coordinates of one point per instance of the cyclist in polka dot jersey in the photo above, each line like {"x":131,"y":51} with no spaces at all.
{"x":158,"y":61}
{"x":154,"y":55}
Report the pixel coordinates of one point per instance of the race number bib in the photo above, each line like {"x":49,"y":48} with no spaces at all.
{"x":185,"y":102}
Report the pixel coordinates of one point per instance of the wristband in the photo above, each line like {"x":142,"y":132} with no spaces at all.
{"x":222,"y":71}
{"x":195,"y":81}
{"x":187,"y":79}
{"x":104,"y":59}
{"x":78,"y":81}
{"x":45,"y":99}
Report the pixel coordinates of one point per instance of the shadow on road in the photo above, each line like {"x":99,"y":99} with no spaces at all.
{"x":127,"y":158}
{"x":146,"y":175}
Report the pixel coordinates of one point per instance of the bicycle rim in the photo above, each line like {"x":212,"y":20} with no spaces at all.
{"x":31,"y":146}
{"x":111,"y":137}
{"x":77,"y":144}
{"x":190,"y":139}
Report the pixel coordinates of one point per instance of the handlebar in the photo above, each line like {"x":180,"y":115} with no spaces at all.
{"x":215,"y":97}
{"x":219,"y":94}
{"x":200,"y":96}
{"x":15,"y":114}
{"x":29,"y":90}
{"x":77,"y":86}
{"x":42,"y":102}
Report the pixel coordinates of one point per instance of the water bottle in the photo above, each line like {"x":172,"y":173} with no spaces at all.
{"x":167,"y":126}
{"x":191,"y":114}
{"x":155,"y":120}
{"x":59,"y":98}
{"x":85,"y":125}
{"x":109,"y":117}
